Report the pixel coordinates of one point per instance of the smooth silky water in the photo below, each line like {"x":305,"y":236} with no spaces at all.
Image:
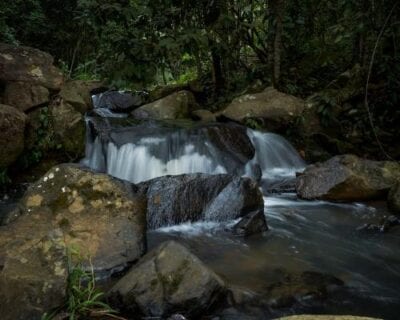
{"x":303,"y":235}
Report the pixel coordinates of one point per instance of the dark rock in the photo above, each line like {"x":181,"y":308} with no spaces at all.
{"x":25,"y":64}
{"x":24,"y":95}
{"x":70,"y":209}
{"x":69,"y":129}
{"x":78,"y":94}
{"x":175,"y":199}
{"x":175,"y":106}
{"x":385,"y":225}
{"x":270,"y":104}
{"x":167,"y":280}
{"x":305,"y":288}
{"x":12,"y":128}
{"x":252,"y":223}
{"x":326,"y":317}
{"x":120,"y":101}
{"x":348,"y":178}
{"x":160,"y":92}
{"x":203,"y":115}
{"x":393,"y":200}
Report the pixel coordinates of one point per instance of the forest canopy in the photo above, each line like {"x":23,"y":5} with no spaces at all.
{"x":300,"y":47}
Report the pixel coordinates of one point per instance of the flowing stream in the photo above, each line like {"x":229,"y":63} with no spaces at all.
{"x":318,"y":236}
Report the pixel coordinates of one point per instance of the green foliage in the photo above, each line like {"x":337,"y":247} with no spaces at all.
{"x":43,"y":140}
{"x":4,"y":178}
{"x":83,"y":298}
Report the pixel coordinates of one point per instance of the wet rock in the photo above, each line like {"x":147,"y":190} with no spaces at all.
{"x":77,"y":94}
{"x":166,"y":280}
{"x":118,"y":101}
{"x":12,"y":127}
{"x":270,"y":104}
{"x":203,"y":115}
{"x":25,"y":64}
{"x":393,"y":200}
{"x":192,"y":197}
{"x":385,"y":225}
{"x":231,"y":139}
{"x":69,"y":130}
{"x":250,"y":224}
{"x":24,"y":95}
{"x":325,"y":317}
{"x":70,"y":209}
{"x":348,"y":178}
{"x":175,"y":106}
{"x":160,"y":92}
{"x":305,"y":288}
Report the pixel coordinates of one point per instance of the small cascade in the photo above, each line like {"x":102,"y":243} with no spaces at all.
{"x":142,"y":151}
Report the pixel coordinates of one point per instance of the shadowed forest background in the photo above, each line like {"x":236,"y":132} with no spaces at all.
{"x":323,"y":49}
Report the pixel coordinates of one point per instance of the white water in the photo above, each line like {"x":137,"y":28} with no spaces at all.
{"x":182,"y":153}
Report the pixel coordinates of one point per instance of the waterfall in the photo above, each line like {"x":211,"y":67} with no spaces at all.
{"x":148,"y":150}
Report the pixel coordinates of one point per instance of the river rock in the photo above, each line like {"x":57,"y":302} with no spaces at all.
{"x":69,"y":129}
{"x":394,"y":199}
{"x":173,"y":200}
{"x":25,"y":64}
{"x":160,"y":92}
{"x":175,"y":106}
{"x":348,"y":178}
{"x":24,"y":95}
{"x":250,"y":224}
{"x":167,"y":280}
{"x":269,"y":104}
{"x":119,"y":101}
{"x":204,"y":115}
{"x":306,"y":287}
{"x":70,"y":209}
{"x":12,"y":127}
{"x":77,"y":93}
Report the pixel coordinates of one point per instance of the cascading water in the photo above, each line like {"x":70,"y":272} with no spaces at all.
{"x":317,"y":236}
{"x":138,"y":154}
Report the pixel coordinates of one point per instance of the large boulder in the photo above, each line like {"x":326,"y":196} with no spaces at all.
{"x":270,"y":105}
{"x":169,"y":279}
{"x":25,"y":64}
{"x":24,"y":95}
{"x":69,"y":129}
{"x":175,"y":106}
{"x":348,"y":178}
{"x":394,"y":199}
{"x":77,"y":93}
{"x":120,"y":101}
{"x":70,"y":209}
{"x":192,"y":197}
{"x":12,"y":127}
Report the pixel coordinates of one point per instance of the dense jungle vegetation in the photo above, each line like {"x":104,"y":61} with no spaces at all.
{"x":301,"y":47}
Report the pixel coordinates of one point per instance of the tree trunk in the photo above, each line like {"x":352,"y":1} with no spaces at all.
{"x":278,"y":9}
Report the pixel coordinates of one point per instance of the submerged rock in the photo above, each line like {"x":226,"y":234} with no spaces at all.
{"x":393,"y":200}
{"x":305,"y":288}
{"x":269,"y":104}
{"x":69,"y":210}
{"x":175,"y":106}
{"x":25,"y":64}
{"x":167,"y":280}
{"x":250,"y":224}
{"x":192,"y":197}
{"x":348,"y":178}
{"x":12,"y":128}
